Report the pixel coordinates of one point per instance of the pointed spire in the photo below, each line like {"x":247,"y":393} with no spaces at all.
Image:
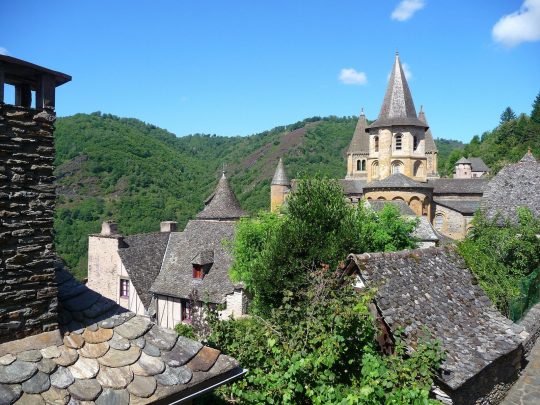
{"x":528,"y":157}
{"x":430,"y":143}
{"x":280,"y":177}
{"x":360,"y":140}
{"x":223,"y":204}
{"x":398,"y":107}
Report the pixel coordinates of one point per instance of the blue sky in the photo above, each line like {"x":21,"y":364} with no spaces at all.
{"x":241,"y":67}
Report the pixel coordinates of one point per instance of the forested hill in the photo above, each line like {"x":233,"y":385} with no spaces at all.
{"x":137,"y":174}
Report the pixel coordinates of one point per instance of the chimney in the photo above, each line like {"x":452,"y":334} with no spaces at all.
{"x":109,"y":228}
{"x":28,"y":291}
{"x":168,"y":226}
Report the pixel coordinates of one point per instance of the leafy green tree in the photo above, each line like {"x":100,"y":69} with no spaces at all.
{"x":318,"y":347}
{"x":455,"y":155}
{"x":275,"y":253}
{"x":535,"y":114}
{"x":508,"y":115}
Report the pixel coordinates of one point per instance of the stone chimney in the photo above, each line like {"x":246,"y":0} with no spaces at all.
{"x":28,"y":293}
{"x":109,"y":228}
{"x":168,"y":226}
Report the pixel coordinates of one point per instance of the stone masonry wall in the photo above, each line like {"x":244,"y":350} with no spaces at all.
{"x":28,"y":293}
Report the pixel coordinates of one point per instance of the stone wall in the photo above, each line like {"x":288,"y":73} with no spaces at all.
{"x":235,"y":306}
{"x":28,"y":293}
{"x":104,"y":265}
{"x":455,"y":225}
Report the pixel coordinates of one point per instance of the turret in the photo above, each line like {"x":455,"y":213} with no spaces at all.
{"x":432,"y":153}
{"x":279,"y":188}
{"x":358,"y":151}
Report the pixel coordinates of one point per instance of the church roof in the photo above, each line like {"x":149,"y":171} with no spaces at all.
{"x":396,"y":180}
{"x":516,"y":185}
{"x":458,"y":186}
{"x":478,"y":165}
{"x":398,"y":106}
{"x":360,"y":140}
{"x":402,"y":206}
{"x":466,"y":207}
{"x":433,"y":288}
{"x":223,"y":204}
{"x":280,"y":177}
{"x":430,"y":143}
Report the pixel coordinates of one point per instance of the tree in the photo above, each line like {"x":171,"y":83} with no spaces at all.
{"x":508,"y":115}
{"x":276,"y":253}
{"x":535,"y":114}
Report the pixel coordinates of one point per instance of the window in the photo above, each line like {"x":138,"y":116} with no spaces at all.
{"x":376,"y":143}
{"x":397,"y":166}
{"x":418,"y":169}
{"x":198,"y":271}
{"x":375,"y":169}
{"x":124,"y":288}
{"x":398,"y":141}
{"x":358,"y":165}
{"x":415,"y":142}
{"x":364,"y":165}
{"x":186,"y":311}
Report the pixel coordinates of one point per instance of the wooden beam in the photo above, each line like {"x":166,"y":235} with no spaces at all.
{"x":47,"y":91}
{"x":23,"y":95}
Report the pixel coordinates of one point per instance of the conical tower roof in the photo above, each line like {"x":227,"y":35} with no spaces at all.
{"x":360,"y":140}
{"x":398,"y":107}
{"x":430,"y":143}
{"x":280,"y":177}
{"x":223,"y":204}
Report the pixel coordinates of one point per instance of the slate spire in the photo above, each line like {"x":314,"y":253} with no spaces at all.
{"x":430,"y":143}
{"x":223,"y":204}
{"x":360,"y":140}
{"x":280,"y":177}
{"x":398,"y":106}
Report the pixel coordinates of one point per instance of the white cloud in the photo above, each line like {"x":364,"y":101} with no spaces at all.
{"x":3,"y":51}
{"x":520,"y":26}
{"x":351,"y":76}
{"x":406,"y":9}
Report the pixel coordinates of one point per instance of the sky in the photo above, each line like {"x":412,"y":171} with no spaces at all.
{"x":242,"y":67}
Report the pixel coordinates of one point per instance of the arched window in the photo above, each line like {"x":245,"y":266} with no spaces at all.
{"x":358,"y":165}
{"x":397,"y":166}
{"x":376,"y":143}
{"x":375,"y":169}
{"x":438,"y":221}
{"x":398,"y":141}
{"x":364,"y":165}
{"x":415,"y":142}
{"x":418,"y":169}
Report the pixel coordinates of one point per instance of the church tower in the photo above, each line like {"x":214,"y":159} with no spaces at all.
{"x":358,"y":151}
{"x":397,"y":139}
{"x":279,"y":188}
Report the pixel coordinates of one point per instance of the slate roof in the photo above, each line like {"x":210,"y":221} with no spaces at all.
{"x":458,"y":186}
{"x":516,"y":185}
{"x":109,"y":356}
{"x":398,"y":106}
{"x":466,"y":207}
{"x":142,"y":256}
{"x":354,"y":186}
{"x":176,"y":276}
{"x":401,"y":205}
{"x":464,"y":161}
{"x":430,"y":143}
{"x":433,"y":287}
{"x":280,"y":177}
{"x":478,"y":165}
{"x":360,"y":140}
{"x":222,"y":205}
{"x":396,"y":180}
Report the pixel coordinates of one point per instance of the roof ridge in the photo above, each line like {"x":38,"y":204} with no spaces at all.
{"x":362,"y":257}
{"x":223,"y":204}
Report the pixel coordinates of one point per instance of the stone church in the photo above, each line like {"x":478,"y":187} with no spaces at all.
{"x":395,"y":159}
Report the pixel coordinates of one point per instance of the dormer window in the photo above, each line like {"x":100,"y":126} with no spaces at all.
{"x":198,"y":271}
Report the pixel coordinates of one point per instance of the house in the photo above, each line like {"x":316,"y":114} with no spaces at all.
{"x":470,"y":168}
{"x":163,"y":274}
{"x":433,"y":288}
{"x":396,"y":158}
{"x":60,"y":341}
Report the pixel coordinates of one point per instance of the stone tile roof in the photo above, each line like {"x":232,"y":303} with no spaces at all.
{"x":430,"y":143}
{"x":401,"y":205}
{"x":398,"y":106}
{"x":478,"y":165}
{"x":516,"y":185}
{"x":223,"y":204}
{"x":396,"y":180}
{"x":462,"y":206}
{"x":433,"y":287}
{"x":109,"y":356}
{"x":463,"y":160}
{"x":142,"y":256}
{"x":458,"y":186}
{"x":176,"y":276}
{"x":360,"y":140}
{"x":352,"y":186}
{"x":280,"y":177}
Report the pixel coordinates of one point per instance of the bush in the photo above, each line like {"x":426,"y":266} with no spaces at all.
{"x":183,"y":329}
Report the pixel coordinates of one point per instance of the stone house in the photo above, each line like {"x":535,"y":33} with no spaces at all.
{"x":396,"y":158}
{"x":433,"y":288}
{"x":61,"y":342}
{"x":164,"y":274}
{"x":467,"y":168}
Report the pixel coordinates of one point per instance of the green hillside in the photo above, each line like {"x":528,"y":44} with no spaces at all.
{"x":139,"y":175}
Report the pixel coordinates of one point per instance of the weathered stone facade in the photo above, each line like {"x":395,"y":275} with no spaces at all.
{"x":28,"y":302}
